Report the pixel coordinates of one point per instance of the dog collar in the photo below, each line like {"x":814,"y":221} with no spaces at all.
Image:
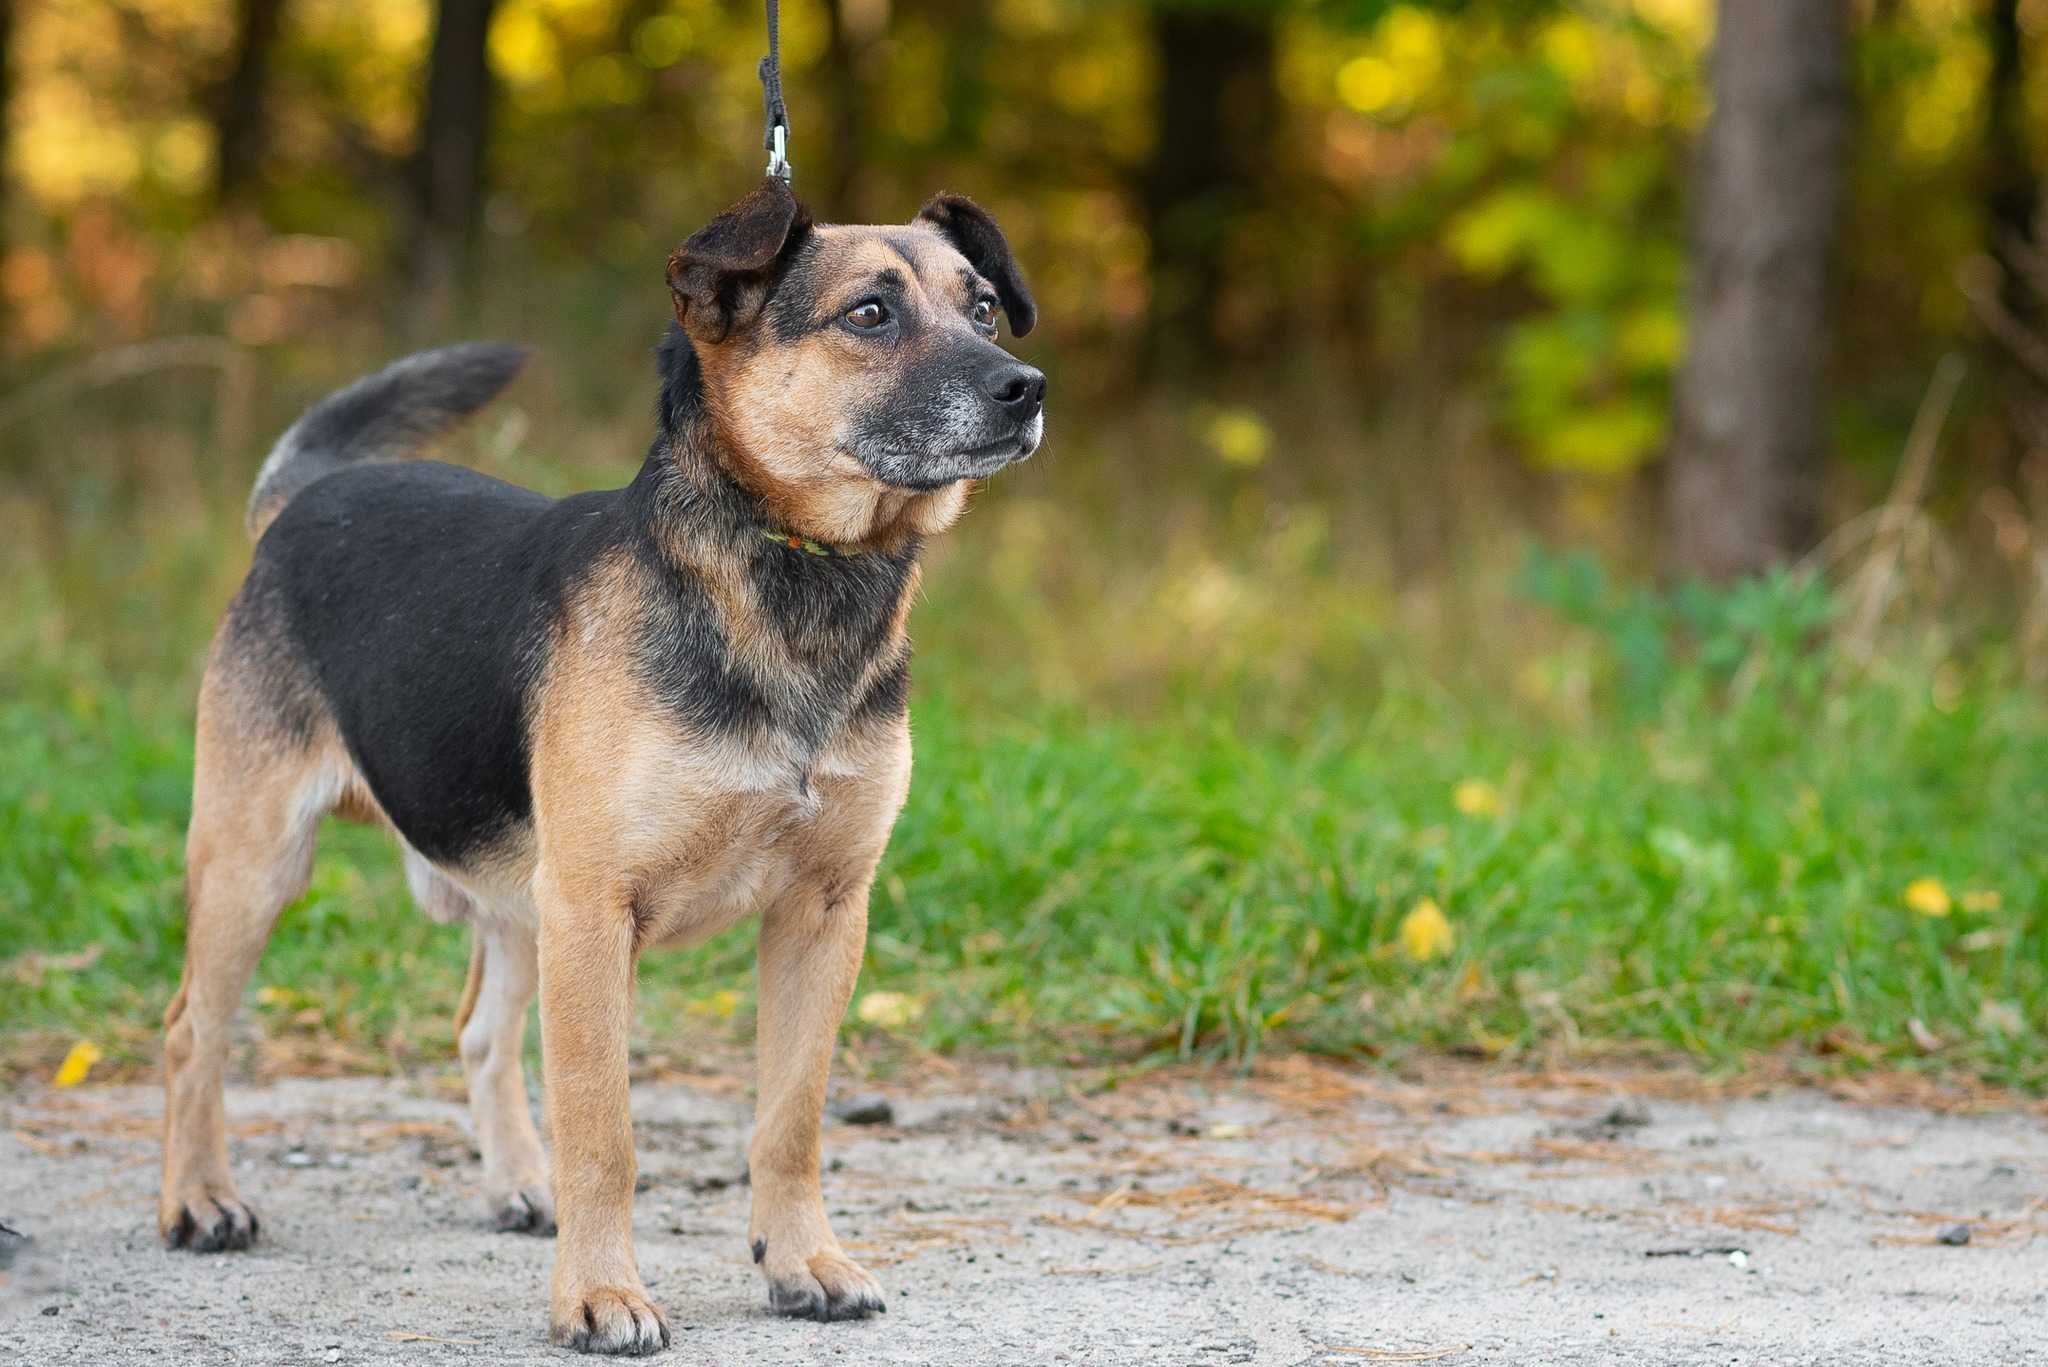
{"x":805,"y":544}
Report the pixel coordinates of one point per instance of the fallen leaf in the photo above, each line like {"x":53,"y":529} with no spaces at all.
{"x":2002,"y":1018}
{"x":77,"y":1064}
{"x":30,"y":969}
{"x":723,"y":1005}
{"x":890,"y":1010}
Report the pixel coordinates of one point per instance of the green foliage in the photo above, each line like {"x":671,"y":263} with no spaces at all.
{"x":1492,"y":188}
{"x":1766,"y":630}
{"x":1587,"y":221}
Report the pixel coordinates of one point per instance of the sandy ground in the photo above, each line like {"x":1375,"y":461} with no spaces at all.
{"x":1305,"y":1216}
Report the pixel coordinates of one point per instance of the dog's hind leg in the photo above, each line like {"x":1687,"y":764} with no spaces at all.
{"x":491,"y":1032}
{"x":256,"y":801}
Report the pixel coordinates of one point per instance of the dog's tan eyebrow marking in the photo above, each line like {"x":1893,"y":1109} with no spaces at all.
{"x":901,"y":245}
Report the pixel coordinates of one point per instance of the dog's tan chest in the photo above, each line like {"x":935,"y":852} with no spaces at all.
{"x":713,"y":832}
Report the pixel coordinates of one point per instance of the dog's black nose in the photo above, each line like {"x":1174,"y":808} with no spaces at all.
{"x":1019,"y":388}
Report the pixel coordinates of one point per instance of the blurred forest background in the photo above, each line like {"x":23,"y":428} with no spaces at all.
{"x":1543,"y":535}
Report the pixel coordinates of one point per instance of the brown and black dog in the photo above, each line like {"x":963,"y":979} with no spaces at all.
{"x":613,"y":721}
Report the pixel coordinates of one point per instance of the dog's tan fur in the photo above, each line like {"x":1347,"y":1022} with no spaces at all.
{"x":613,"y":864}
{"x":764,"y":400}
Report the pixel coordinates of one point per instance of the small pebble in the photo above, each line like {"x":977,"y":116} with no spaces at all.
{"x":1955,"y":1236}
{"x":865,"y":1110}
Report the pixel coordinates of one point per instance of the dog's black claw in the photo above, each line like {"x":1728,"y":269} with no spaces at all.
{"x":614,"y":1322}
{"x":521,"y":1214}
{"x":218,"y":1226}
{"x":797,"y":1300}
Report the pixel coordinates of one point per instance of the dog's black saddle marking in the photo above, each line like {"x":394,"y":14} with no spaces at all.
{"x":420,"y":595}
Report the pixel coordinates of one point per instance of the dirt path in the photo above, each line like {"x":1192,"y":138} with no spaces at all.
{"x":1307,"y":1217}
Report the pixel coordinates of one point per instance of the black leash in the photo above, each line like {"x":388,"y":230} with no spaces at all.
{"x":776,"y":113}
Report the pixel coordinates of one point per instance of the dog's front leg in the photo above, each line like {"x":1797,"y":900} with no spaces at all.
{"x":599,"y":1304}
{"x":810,"y":952}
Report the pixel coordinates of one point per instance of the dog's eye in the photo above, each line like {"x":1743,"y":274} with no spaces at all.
{"x":868,"y":315}
{"x":984,"y":314}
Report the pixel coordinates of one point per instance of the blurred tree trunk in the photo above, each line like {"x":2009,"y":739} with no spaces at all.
{"x":2014,"y":191}
{"x":2014,"y":185}
{"x":6,"y":96}
{"x":2012,"y":208}
{"x":1751,"y":441}
{"x":240,"y":123}
{"x":454,"y":135}
{"x":852,"y":25}
{"x":1216,"y":111}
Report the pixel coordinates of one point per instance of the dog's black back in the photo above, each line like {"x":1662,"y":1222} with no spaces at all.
{"x":419,"y":595}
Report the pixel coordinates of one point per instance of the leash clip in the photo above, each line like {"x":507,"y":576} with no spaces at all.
{"x":778,"y":157}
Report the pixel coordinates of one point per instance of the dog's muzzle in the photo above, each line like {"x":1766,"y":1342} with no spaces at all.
{"x":996,"y":418}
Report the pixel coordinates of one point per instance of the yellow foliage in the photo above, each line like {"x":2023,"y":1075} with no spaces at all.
{"x":523,"y":51}
{"x":1369,"y":84}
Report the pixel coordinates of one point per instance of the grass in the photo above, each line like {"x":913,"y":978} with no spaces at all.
{"x":1184,"y":770}
{"x":1721,"y":878}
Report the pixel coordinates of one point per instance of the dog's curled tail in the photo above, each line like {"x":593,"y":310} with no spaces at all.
{"x":382,"y":416}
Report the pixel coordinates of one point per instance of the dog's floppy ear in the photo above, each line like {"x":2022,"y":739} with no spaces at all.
{"x":710,"y":275}
{"x":975,"y":236}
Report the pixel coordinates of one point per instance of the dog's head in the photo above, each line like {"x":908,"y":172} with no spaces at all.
{"x":853,"y":373}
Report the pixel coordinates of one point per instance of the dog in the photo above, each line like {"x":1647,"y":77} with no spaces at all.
{"x":616,"y":721}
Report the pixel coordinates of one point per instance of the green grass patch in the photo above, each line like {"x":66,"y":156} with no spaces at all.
{"x":1718,"y":867}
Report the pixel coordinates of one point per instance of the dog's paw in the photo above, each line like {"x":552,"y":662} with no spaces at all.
{"x":610,"y":1319}
{"x":522,"y":1210}
{"x":206,"y":1221}
{"x":825,"y":1286}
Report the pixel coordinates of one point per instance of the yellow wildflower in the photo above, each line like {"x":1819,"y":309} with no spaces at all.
{"x":1928,"y":897}
{"x":1426,"y":932}
{"x":1239,"y":436}
{"x":1476,"y":797}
